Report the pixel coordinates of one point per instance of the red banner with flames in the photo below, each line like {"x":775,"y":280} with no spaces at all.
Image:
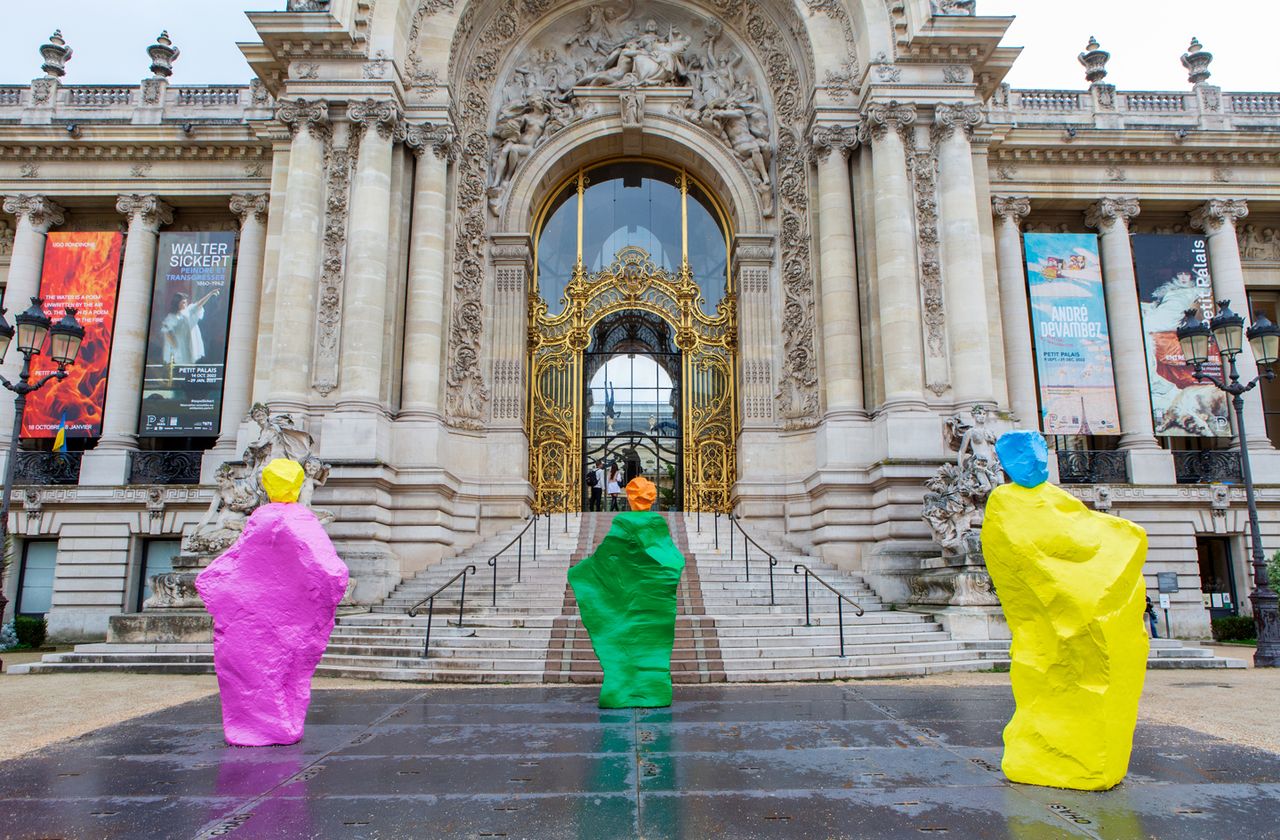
{"x":81,"y":270}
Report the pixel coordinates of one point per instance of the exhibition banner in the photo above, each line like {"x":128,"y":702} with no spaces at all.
{"x":1069,"y":324}
{"x":187,"y":342}
{"x":1173,"y":276}
{"x":81,"y":270}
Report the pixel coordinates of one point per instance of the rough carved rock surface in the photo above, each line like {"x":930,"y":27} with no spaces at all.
{"x":1070,"y":581}
{"x":1024,"y":457}
{"x":626,"y":593}
{"x":272,"y":596}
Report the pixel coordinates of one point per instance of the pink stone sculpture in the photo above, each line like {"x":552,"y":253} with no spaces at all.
{"x":273,"y":596}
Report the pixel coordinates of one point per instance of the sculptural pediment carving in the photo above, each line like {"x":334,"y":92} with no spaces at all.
{"x":616,"y":47}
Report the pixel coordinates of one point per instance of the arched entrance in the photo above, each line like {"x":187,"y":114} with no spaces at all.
{"x":632,"y":337}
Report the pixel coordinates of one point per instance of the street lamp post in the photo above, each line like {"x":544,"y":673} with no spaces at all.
{"x":1226,"y":329}
{"x":33,"y":326}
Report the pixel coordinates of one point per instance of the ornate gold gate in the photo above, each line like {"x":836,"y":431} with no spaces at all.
{"x":707,"y":345}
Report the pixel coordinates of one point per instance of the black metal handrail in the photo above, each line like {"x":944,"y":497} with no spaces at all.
{"x":1208,"y":466}
{"x":430,"y":601}
{"x":518,"y":542}
{"x":840,"y":600}
{"x":747,"y":542}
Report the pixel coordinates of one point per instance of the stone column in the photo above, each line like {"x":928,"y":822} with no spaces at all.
{"x":237,"y":387}
{"x":1218,"y":218}
{"x":364,"y":305}
{"x":299,"y":267}
{"x":434,"y":148}
{"x":108,"y":463}
{"x":1148,"y":463}
{"x":35,"y":214}
{"x":901,"y":343}
{"x":752,"y":268}
{"x":968,"y":327}
{"x":1128,"y":348}
{"x":1018,"y":351}
{"x":841,"y":327}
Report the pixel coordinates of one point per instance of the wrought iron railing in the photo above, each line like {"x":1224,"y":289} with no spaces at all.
{"x":841,"y":600}
{"x":165,"y":467}
{"x":430,"y":601}
{"x":47,"y":468}
{"x":1093,"y":466}
{"x":747,"y":542}
{"x":1208,"y":466}
{"x":518,"y":542}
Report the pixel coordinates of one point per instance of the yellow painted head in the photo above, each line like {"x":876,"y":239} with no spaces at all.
{"x":642,"y":493}
{"x":282,"y":479}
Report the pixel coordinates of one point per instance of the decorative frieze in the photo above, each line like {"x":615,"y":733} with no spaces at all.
{"x":1259,"y":244}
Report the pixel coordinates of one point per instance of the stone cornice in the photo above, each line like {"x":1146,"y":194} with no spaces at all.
{"x":148,"y":210}
{"x":1107,"y":212}
{"x":39,"y":211}
{"x":132,"y":152}
{"x":1219,"y":212}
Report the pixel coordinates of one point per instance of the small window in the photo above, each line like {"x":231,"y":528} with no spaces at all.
{"x":35,"y":579}
{"x":157,"y":558}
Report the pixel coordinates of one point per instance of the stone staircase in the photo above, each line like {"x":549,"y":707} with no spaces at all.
{"x":528,"y":630}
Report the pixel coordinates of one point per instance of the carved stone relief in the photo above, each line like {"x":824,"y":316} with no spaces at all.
{"x":534,"y":100}
{"x":1259,"y":244}
{"x":922,"y":164}
{"x":340,"y":161}
{"x":612,"y":46}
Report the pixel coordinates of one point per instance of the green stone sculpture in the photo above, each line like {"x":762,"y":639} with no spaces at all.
{"x":626,"y":593}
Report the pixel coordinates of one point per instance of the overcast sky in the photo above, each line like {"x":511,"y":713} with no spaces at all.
{"x":1146,"y":39}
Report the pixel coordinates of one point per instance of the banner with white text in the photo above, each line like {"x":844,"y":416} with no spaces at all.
{"x":187,"y":342}
{"x":82,"y":271}
{"x":1173,"y":276}
{"x":1069,"y":324}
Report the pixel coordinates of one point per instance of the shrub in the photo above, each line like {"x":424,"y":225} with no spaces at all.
{"x":30,"y":630}
{"x":8,"y":638}
{"x":1273,"y":571}
{"x":1233,"y":628}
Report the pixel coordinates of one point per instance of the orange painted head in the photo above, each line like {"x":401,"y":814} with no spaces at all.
{"x":642,"y":493}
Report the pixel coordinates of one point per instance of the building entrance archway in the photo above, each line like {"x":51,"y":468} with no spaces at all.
{"x":632,"y":290}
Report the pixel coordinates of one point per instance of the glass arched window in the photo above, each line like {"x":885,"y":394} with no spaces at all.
{"x":601,"y":209}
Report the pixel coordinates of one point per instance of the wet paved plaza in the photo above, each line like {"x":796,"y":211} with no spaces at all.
{"x":795,"y":761}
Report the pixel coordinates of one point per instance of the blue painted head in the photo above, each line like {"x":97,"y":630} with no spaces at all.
{"x":1024,"y":456}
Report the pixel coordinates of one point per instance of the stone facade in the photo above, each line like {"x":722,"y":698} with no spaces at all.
{"x":384,"y":169}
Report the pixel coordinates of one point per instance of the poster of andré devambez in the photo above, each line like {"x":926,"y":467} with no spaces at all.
{"x":1173,"y":276}
{"x":187,"y":342}
{"x":1069,"y":323}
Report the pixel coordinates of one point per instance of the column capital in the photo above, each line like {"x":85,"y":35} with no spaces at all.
{"x":950,"y":117}
{"x":383,"y":114}
{"x":297,"y":113}
{"x":880,"y":117}
{"x":250,"y":205}
{"x":827,"y":138}
{"x":40,"y":212}
{"x":1217,"y":213}
{"x":440,"y":138}
{"x":149,"y":210}
{"x":1011,"y":208}
{"x":1106,"y":212}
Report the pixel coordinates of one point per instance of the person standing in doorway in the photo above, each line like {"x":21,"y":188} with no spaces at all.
{"x":595,"y":482}
{"x":614,"y":487}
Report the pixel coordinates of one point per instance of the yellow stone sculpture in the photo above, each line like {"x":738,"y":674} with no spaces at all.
{"x":1070,"y":582}
{"x":283,"y":479}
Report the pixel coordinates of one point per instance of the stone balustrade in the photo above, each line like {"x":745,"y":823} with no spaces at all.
{"x":1104,"y":106}
{"x":86,"y":103}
